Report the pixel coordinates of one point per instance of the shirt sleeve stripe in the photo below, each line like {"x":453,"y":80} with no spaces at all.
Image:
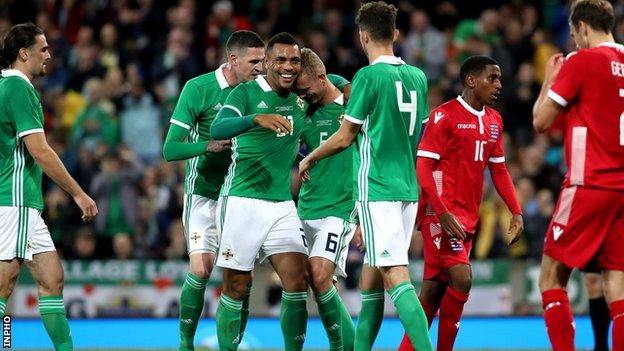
{"x":428,"y":154}
{"x":425,"y":120}
{"x":233,"y":108}
{"x":497,"y":159}
{"x":30,"y":131}
{"x":181,"y":124}
{"x":557,"y":98}
{"x":353,"y":119}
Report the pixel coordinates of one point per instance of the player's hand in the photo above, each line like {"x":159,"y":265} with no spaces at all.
{"x":451,"y":226}
{"x":357,"y":239}
{"x":553,"y":67}
{"x":87,"y":206}
{"x":218,"y":145}
{"x":273,"y":122}
{"x":304,"y":168}
{"x":516,"y":225}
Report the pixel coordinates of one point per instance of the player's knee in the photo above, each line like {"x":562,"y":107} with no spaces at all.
{"x":321,"y":281}
{"x":51,"y":286}
{"x":201,"y":271}
{"x":462,"y":283}
{"x":296,"y":282}
{"x":236,"y":289}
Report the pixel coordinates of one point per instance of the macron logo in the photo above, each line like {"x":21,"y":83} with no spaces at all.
{"x":217,"y":107}
{"x":557,"y":232}
{"x":437,"y":241}
{"x":262,"y":104}
{"x":437,"y":117}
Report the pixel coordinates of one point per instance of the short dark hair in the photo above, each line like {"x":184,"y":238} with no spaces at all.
{"x":281,"y":38}
{"x":598,"y":14}
{"x":243,"y":39}
{"x":19,"y":36}
{"x":378,"y":19}
{"x":474,"y":65}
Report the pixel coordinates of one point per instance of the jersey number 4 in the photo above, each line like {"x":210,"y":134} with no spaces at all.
{"x":408,"y":107}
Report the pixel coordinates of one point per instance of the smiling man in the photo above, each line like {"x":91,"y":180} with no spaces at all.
{"x":256,"y":213}
{"x":462,"y":138}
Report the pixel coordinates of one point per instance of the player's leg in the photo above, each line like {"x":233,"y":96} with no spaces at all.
{"x":11,"y":231}
{"x":372,"y":308}
{"x":201,"y":238}
{"x":598,"y":309}
{"x":558,"y":317}
{"x":47,"y":270}
{"x":286,"y":248}
{"x":293,"y":272}
{"x":611,"y":261}
{"x":387,"y":232}
{"x":575,"y":236}
{"x":244,"y":224}
{"x":430,"y":297}
{"x":328,"y":238}
{"x":9,"y":271}
{"x":452,"y":307}
{"x":434,"y":283}
{"x":614,"y":288}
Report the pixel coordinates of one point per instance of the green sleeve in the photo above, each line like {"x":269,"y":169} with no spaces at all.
{"x":176,"y":148}
{"x":423,"y":113}
{"x":338,"y":81}
{"x":231,"y":119}
{"x":362,"y":94}
{"x":24,"y":108}
{"x":185,"y":111}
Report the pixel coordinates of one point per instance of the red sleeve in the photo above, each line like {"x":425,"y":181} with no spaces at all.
{"x":424,"y":173}
{"x":570,"y":79}
{"x":504,"y":186}
{"x":435,"y":136}
{"x":497,"y":155}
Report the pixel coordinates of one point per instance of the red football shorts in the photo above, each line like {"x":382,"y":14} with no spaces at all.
{"x":587,"y":224}
{"x":441,"y":251}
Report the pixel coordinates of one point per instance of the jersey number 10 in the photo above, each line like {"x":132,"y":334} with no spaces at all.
{"x":409,"y":107}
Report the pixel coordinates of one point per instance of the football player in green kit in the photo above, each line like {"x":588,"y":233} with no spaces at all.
{"x":256,"y":213}
{"x":326,"y":205}
{"x":207,"y":163}
{"x":387,"y":107}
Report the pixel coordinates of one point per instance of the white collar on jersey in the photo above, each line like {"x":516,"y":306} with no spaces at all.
{"x":393,"y":60}
{"x":612,"y":45}
{"x":263,"y":83}
{"x":223,"y":83}
{"x":15,"y":73}
{"x":339,"y":100}
{"x":469,"y":108}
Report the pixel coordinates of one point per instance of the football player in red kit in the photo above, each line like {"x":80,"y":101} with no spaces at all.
{"x":462,"y":138}
{"x":587,"y":91}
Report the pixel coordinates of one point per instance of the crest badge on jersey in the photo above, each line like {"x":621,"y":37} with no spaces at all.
{"x":300,"y":102}
{"x":494,"y":132}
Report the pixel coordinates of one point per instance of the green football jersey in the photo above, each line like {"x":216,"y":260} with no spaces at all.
{"x":261,"y":159}
{"x":329,"y":192}
{"x":199,"y":103}
{"x":389,"y":99}
{"x":21,"y":114}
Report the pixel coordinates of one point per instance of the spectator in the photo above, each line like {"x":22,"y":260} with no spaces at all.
{"x":425,"y":46}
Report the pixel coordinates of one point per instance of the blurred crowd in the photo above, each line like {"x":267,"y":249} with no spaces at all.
{"x":118,"y":67}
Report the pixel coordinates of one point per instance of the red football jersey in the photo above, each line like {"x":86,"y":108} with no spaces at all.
{"x":464,"y":140}
{"x":590,"y":87}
